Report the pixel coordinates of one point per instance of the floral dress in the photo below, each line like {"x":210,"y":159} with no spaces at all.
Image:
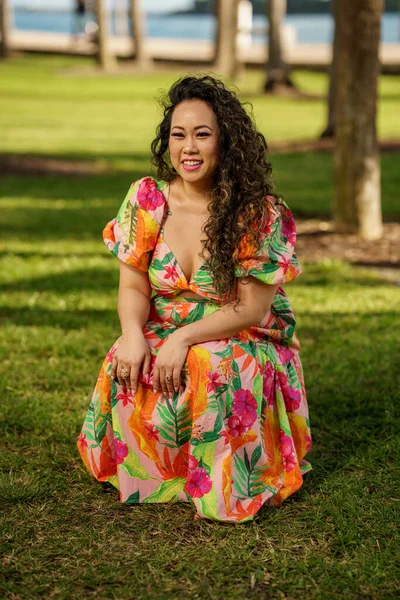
{"x":236,"y":435}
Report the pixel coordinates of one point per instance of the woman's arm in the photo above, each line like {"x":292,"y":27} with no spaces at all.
{"x":133,"y":311}
{"x":255,"y":299}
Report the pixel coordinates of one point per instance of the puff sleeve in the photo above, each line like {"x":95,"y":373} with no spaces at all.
{"x":275,"y":262}
{"x":133,"y":233}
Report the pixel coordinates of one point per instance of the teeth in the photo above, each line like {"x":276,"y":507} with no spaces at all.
{"x":192,"y":162}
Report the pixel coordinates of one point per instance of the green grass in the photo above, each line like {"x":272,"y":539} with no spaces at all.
{"x":63,"y":535}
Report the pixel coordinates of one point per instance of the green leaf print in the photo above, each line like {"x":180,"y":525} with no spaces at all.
{"x":247,"y":476}
{"x":292,"y":376}
{"x":100,"y":427}
{"x":159,"y":265}
{"x":167,"y":490}
{"x":114,"y":400}
{"x":131,"y":217}
{"x":205,"y":454}
{"x":175,"y":421}
{"x":133,"y":498}
{"x":225,"y":353}
{"x":133,"y":466}
{"x":195,"y":315}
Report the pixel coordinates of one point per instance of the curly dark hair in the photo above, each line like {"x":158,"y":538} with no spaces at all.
{"x":242,"y":180}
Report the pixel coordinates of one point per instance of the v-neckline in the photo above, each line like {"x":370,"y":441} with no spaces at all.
{"x":193,"y":277}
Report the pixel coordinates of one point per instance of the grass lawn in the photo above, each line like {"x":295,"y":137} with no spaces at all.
{"x":63,"y":536}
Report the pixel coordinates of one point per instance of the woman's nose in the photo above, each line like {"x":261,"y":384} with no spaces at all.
{"x":190,"y":145}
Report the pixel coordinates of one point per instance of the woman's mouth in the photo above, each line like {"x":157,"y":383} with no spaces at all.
{"x":191,"y":165}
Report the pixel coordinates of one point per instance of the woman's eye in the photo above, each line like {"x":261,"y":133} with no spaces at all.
{"x":203,"y":134}
{"x":177,"y":135}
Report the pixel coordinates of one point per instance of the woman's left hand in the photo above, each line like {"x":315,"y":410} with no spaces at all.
{"x":168,"y":365}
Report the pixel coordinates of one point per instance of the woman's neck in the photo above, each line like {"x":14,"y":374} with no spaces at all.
{"x":199,"y":192}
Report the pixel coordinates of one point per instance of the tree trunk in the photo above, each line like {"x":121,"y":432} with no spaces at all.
{"x":4,"y":28}
{"x":142,"y":59}
{"x":121,"y":18}
{"x":357,"y":197}
{"x":330,"y":129}
{"x":104,"y":58}
{"x":277,"y":68}
{"x":226,"y":55}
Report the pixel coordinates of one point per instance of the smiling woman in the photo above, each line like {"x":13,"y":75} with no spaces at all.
{"x":202,"y":398}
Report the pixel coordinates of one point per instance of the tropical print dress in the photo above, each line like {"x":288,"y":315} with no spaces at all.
{"x":235,"y":438}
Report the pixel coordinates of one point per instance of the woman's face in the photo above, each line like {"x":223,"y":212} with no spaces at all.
{"x":193,"y":142}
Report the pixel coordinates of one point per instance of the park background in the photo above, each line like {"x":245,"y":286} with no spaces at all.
{"x":74,"y":134}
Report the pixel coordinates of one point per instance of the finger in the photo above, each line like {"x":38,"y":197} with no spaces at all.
{"x":146,"y":365}
{"x":169,"y":382}
{"x":176,"y":379}
{"x":156,"y":380}
{"x":134,"y":378}
{"x":163,"y":383}
{"x":114,"y":366}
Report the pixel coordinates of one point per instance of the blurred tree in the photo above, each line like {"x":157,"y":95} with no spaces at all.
{"x":104,"y":58}
{"x":4,"y":28}
{"x":330,"y":129}
{"x":357,"y":194}
{"x":142,"y":58}
{"x":226,"y":55}
{"x":277,"y":68}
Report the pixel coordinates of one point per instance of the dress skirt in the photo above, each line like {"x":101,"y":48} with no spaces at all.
{"x":234,"y":437}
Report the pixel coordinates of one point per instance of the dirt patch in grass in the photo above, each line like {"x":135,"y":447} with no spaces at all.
{"x":317,"y":240}
{"x":42,"y":165}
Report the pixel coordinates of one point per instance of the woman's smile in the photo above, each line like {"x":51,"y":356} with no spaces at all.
{"x":191,"y":165}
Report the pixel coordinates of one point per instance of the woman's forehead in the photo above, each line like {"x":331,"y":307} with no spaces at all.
{"x":192,"y":112}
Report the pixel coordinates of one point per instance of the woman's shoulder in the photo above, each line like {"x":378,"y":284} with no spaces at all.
{"x":148,"y":193}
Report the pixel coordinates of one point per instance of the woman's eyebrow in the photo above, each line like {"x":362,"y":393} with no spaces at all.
{"x":198,"y":127}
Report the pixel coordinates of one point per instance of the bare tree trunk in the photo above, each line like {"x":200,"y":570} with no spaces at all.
{"x":4,"y":28}
{"x":138,"y":31}
{"x":104,"y":58}
{"x":226,"y":54}
{"x":277,"y":68}
{"x":120,"y":18}
{"x":330,"y":129}
{"x":357,"y":198}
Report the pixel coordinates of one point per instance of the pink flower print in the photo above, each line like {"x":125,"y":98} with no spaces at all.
{"x":291,"y":396}
{"x":308,"y":443}
{"x":152,"y":433}
{"x":171,"y":273}
{"x":288,"y":452}
{"x":269,"y":383}
{"x":236,"y":427}
{"x":284,"y":263}
{"x":193,"y":463}
{"x":285,"y":354}
{"x":82,"y":440}
{"x":198,"y":483}
{"x":149,"y":197}
{"x":121,"y":451}
{"x":126,"y":397}
{"x":110,"y":354}
{"x":288,"y":227}
{"x":245,"y":406}
{"x":213,"y":382}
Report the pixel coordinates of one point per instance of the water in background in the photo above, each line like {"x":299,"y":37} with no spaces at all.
{"x":312,"y":29}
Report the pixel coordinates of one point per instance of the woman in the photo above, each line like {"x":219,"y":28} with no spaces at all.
{"x":202,"y":398}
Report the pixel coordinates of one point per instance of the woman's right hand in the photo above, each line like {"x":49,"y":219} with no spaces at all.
{"x":131,"y":355}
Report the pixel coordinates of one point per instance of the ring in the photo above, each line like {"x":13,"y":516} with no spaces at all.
{"x":168,"y":377}
{"x":125,"y":373}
